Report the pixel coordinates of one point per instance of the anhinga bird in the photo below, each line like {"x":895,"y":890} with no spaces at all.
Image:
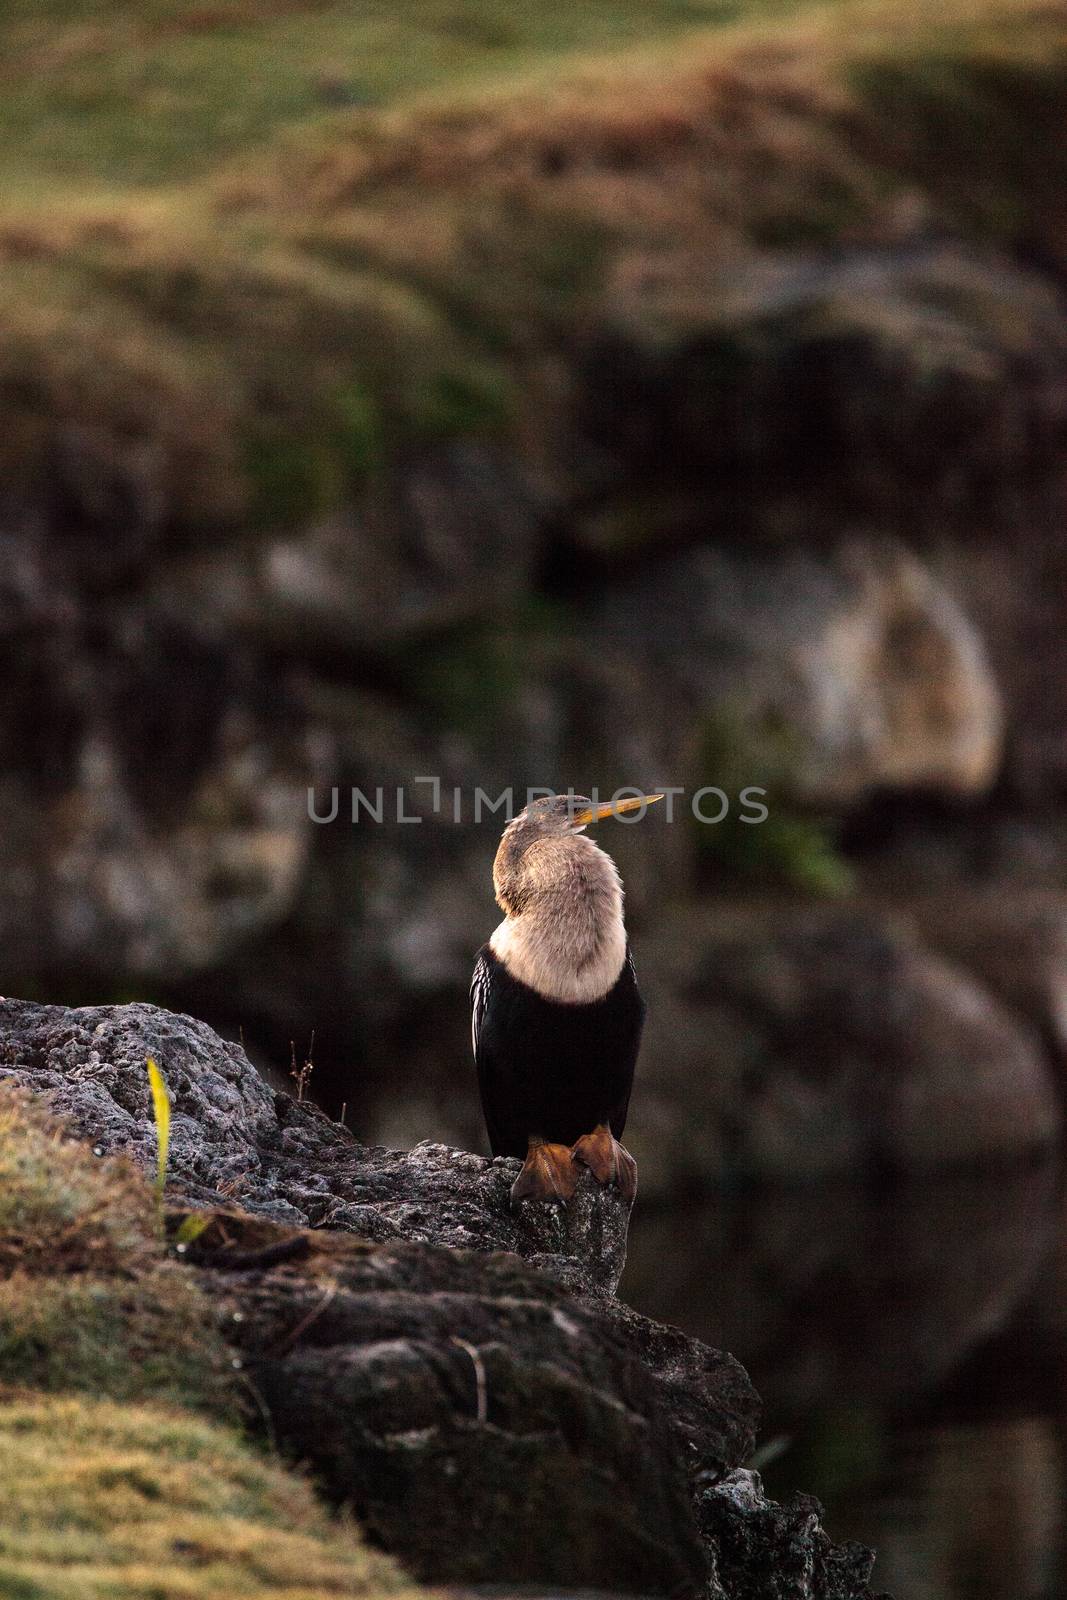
{"x":556,"y":1013}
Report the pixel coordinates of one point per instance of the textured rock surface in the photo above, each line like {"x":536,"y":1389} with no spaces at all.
{"x":767,"y":1552}
{"x":234,"y":1138}
{"x":454,"y":539}
{"x":234,"y":1141}
{"x":127,"y":864}
{"x":836,"y":368}
{"x":482,"y":1422}
{"x":858,"y":661}
{"x":474,"y":1406}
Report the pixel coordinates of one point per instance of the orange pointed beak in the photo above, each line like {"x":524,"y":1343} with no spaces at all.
{"x":614,"y":808}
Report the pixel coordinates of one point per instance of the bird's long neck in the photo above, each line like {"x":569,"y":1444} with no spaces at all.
{"x":564,"y":934}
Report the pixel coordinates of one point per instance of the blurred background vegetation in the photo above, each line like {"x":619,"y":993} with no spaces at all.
{"x":584,"y":395}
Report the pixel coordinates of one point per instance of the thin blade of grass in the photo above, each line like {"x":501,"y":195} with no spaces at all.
{"x":161,"y":1113}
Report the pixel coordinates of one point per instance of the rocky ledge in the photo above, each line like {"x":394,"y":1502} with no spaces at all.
{"x":463,"y":1377}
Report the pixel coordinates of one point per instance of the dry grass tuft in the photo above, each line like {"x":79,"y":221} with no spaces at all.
{"x":62,"y":1210}
{"x":88,"y":1299}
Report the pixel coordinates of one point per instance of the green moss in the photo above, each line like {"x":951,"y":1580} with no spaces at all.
{"x":835,"y":1452}
{"x":323,"y":370}
{"x":457,"y":403}
{"x":830,"y":208}
{"x":359,"y":432}
{"x":155,"y":411}
{"x":140,"y":1504}
{"x":292,"y":477}
{"x":570,"y":255}
{"x":798,"y":852}
{"x":792,"y":847}
{"x":60,"y":1208}
{"x":130,"y":1340}
{"x":108,"y":1500}
{"x":469,"y":678}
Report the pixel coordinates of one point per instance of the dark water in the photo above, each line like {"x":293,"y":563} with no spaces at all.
{"x":911,"y":1349}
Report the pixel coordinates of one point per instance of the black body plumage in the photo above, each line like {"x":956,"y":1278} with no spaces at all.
{"x":551,"y":1068}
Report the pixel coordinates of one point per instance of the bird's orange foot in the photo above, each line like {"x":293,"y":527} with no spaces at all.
{"x":607,"y":1160}
{"x":548,"y":1173}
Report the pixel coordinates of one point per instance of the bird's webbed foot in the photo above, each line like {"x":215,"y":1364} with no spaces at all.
{"x":607,"y":1160}
{"x":548,"y":1173}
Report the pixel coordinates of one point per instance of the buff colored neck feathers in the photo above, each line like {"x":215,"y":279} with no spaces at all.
{"x":563,"y":933}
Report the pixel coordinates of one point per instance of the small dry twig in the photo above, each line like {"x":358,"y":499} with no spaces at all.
{"x":300,"y":1075}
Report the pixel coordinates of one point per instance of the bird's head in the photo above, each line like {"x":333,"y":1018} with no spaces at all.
{"x":540,"y":845}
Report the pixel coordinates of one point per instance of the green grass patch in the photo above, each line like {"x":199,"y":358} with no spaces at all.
{"x":61,"y":1209}
{"x":115,"y":1502}
{"x":116,"y":1485}
{"x":292,"y":476}
{"x":148,"y":92}
{"x":254,"y":253}
{"x":456,"y":404}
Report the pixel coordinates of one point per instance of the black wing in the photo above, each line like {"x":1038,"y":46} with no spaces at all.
{"x":481,"y":984}
{"x":481,"y":992}
{"x":628,"y":976}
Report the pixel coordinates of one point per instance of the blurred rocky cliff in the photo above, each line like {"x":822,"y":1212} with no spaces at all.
{"x":700,"y":424}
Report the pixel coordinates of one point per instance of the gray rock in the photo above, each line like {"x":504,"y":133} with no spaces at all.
{"x":918,"y":389}
{"x":836,"y":672}
{"x":235,"y":1141}
{"x":765,"y":1551}
{"x":157,"y":707}
{"x":234,"y":1138}
{"x":154,"y":808}
{"x":1015,"y":942}
{"x":482,"y":1422}
{"x":449,"y":539}
{"x":475,"y":1407}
